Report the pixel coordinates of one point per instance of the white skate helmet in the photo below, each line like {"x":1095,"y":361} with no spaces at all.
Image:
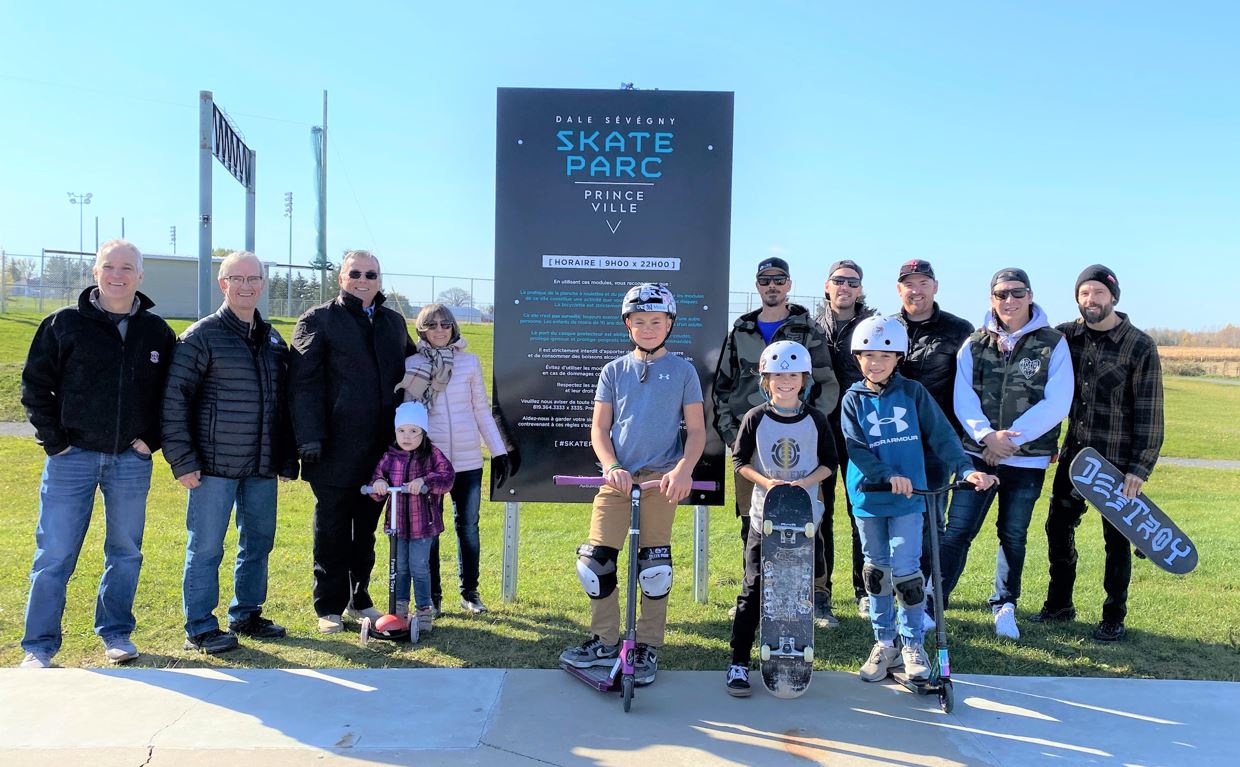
{"x":880,"y":334}
{"x":648,"y":297}
{"x":785,"y":357}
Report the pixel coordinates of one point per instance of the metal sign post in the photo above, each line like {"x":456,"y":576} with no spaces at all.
{"x":218,"y":138}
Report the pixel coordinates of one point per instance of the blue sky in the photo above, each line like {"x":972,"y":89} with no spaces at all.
{"x":1045,"y":135}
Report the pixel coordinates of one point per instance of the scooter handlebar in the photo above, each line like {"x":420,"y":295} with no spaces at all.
{"x":562,"y":479}
{"x":885,"y":487}
{"x":392,"y":489}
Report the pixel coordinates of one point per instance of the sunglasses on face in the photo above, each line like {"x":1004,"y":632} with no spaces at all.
{"x":239,"y":280}
{"x":764,"y":281}
{"x":852,"y":282}
{"x":438,"y":325}
{"x":356,"y":275}
{"x":1002,"y":295}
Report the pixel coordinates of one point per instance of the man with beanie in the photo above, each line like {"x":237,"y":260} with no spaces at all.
{"x":1117,"y":410}
{"x":91,"y":388}
{"x":843,"y":308}
{"x":736,"y":390}
{"x":1013,"y":388}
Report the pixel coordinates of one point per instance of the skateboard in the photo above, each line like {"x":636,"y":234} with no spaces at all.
{"x":1148,"y":527}
{"x":787,"y":629}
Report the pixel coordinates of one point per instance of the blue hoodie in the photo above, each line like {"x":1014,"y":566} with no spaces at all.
{"x":887,"y":434}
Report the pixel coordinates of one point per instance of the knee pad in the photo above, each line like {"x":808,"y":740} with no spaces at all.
{"x":877,"y":580}
{"x":910,"y":589}
{"x":596,"y":569}
{"x":654,"y":571}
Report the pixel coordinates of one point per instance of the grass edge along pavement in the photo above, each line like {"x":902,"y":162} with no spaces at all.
{"x":1168,"y":638}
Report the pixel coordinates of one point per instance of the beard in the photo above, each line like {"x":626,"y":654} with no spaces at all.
{"x":1095,"y":314}
{"x":773,"y":299}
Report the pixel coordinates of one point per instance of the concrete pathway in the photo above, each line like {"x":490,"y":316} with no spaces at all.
{"x":497,"y":718}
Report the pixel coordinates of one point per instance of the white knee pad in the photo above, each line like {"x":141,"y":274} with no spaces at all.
{"x":654,"y":571}
{"x":596,"y":569}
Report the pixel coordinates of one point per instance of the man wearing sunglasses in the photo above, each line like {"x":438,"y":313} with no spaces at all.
{"x":844,"y":307}
{"x":1013,"y":388}
{"x":736,"y":390}
{"x":348,"y":355}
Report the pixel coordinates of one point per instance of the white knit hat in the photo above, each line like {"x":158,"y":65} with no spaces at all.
{"x":412,"y":413}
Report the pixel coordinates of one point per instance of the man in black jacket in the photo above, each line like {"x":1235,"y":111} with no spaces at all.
{"x":348,"y":355}
{"x":226,"y":436}
{"x":91,"y":388}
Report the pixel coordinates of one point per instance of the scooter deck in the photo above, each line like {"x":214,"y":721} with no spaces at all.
{"x":601,"y":678}
{"x":787,"y":628}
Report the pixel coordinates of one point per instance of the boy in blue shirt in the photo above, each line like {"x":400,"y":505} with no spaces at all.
{"x":636,"y":436}
{"x":889,"y":422}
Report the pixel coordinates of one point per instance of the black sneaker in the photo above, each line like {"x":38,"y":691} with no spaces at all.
{"x":212,"y":642}
{"x":645,"y":664}
{"x":738,"y":681}
{"x":823,"y":617}
{"x":258,"y":627}
{"x":592,"y":652}
{"x":1047,"y":615}
{"x":1109,"y":631}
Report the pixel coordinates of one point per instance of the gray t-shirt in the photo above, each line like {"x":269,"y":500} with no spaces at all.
{"x":646,"y":417}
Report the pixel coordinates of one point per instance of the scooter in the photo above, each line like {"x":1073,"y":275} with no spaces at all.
{"x":390,"y":627}
{"x":940,"y":681}
{"x":621,"y":674}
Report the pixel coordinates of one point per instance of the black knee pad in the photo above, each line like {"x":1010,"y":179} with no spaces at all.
{"x":596,"y":569}
{"x":910,"y":589}
{"x":877,"y":580}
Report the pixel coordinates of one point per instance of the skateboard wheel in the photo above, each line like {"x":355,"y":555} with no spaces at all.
{"x":809,"y":529}
{"x":767,"y":527}
{"x":808,"y":654}
{"x":764,"y":652}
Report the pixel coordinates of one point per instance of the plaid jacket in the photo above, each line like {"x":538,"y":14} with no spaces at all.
{"x":421,"y":515}
{"x":1118,"y":404}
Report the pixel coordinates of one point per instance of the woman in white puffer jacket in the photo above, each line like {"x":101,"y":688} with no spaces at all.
{"x":448,"y":380}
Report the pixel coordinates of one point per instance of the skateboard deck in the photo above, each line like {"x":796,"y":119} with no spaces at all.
{"x":787,"y":628}
{"x":1148,"y":527}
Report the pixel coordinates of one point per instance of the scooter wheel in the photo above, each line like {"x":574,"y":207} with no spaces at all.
{"x":767,"y":527}
{"x":809,"y":529}
{"x":764,"y":652}
{"x":808,"y":654}
{"x":626,"y":688}
{"x":947,"y":697}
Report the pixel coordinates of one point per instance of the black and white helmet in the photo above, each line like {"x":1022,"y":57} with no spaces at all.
{"x":648,"y":297}
{"x":880,"y":334}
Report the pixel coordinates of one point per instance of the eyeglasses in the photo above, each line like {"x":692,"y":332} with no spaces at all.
{"x":438,"y":325}
{"x":764,"y":281}
{"x":236,"y":279}
{"x":1002,"y":295}
{"x":356,"y":275}
{"x":852,"y":282}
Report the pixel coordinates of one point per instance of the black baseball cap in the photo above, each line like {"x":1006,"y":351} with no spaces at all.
{"x":1011,"y":274}
{"x":847,"y":263}
{"x":915,"y":266}
{"x":774,"y":262}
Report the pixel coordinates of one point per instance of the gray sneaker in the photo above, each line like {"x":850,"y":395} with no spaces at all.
{"x":592,"y":652}
{"x":119,"y":649}
{"x":882,"y":659}
{"x":645,"y":664}
{"x":823,"y":617}
{"x":863,"y":608}
{"x":36,"y":659}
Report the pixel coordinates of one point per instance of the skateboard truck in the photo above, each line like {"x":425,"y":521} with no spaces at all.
{"x":787,"y":649}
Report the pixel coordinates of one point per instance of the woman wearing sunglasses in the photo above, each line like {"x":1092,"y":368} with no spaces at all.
{"x":448,"y":380}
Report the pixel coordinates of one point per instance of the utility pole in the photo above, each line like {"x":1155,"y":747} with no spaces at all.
{"x":173,"y":232}
{"x":288,"y":212}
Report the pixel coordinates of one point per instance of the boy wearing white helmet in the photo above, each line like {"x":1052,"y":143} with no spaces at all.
{"x":638,"y":407}
{"x":780,"y":442}
{"x":889,"y":424}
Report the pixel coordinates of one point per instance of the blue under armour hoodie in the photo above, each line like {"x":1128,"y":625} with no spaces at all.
{"x":887,"y":435}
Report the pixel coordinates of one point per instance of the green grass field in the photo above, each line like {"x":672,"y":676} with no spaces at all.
{"x":1185,"y":627}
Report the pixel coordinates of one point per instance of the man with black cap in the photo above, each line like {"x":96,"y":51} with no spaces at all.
{"x":736,"y":391}
{"x":1118,"y":410}
{"x":1013,"y":388}
{"x":844,"y":307}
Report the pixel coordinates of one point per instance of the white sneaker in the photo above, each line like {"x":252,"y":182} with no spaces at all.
{"x":330,"y":624}
{"x":863,"y":608}
{"x":357,"y":615}
{"x":882,"y":659}
{"x":36,"y":660}
{"x":119,"y":649}
{"x":927,"y":622}
{"x":916,"y":664}
{"x":1005,"y":621}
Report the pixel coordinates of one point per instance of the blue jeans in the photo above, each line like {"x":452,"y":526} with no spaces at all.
{"x":466,"y":500}
{"x":1018,"y":492}
{"x":413,"y":560}
{"x":66,"y":499}
{"x":893,"y":542}
{"x":206,"y":517}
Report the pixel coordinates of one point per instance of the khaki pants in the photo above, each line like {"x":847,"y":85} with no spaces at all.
{"x":609,"y":526}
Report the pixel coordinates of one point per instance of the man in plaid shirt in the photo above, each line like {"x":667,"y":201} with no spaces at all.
{"x":1118,"y":410}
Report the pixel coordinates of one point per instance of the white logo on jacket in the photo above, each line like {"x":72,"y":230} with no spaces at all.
{"x":1029,"y":367}
{"x":897,"y":417}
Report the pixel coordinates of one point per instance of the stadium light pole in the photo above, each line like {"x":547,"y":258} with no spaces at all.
{"x":81,"y":200}
{"x":288,"y":213}
{"x":173,"y":232}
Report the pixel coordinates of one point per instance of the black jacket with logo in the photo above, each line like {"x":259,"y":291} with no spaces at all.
{"x":931,"y":358}
{"x":225,"y":412}
{"x":83,"y":386}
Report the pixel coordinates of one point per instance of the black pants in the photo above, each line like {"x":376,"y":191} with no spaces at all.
{"x":828,"y":523}
{"x":1061,"y":523}
{"x":344,"y":547}
{"x":748,"y":602}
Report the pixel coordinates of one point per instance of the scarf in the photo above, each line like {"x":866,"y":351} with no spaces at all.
{"x":427,"y":373}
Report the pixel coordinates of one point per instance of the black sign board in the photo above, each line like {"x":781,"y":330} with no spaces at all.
{"x":597,"y":191}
